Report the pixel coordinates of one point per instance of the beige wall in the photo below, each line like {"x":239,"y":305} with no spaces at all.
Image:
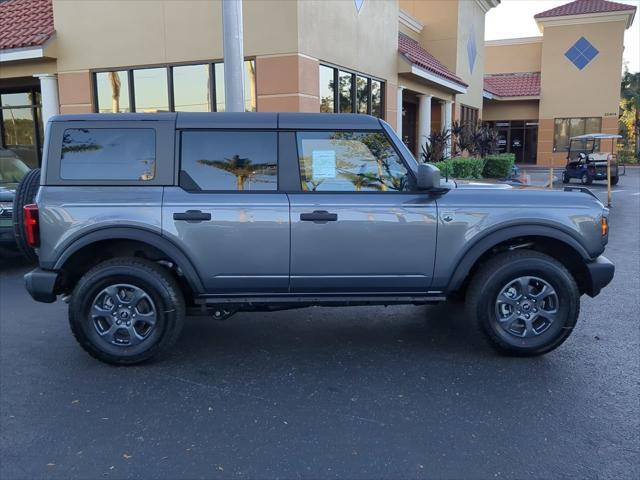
{"x":146,"y":32}
{"x":27,"y":69}
{"x":517,"y":57}
{"x":593,"y":91}
{"x":440,"y":32}
{"x":510,"y":110}
{"x":470,"y":23}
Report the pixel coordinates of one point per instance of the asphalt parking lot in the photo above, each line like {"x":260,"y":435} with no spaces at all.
{"x":402,"y":392}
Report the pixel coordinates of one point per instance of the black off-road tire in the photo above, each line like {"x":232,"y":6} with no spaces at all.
{"x":156,"y":282}
{"x":499,"y":271}
{"x":25,"y":194}
{"x":614,"y":181}
{"x":565,"y":177}
{"x":585,"y":179}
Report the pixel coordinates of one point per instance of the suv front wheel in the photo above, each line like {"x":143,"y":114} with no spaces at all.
{"x":525,"y":302}
{"x":126,"y":310}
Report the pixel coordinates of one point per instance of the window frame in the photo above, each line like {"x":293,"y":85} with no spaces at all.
{"x":354,"y":101}
{"x":179,"y":140}
{"x":170,"y":82}
{"x":403,"y":161}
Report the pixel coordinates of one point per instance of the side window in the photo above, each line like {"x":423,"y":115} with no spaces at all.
{"x":108,"y":154}
{"x":349,"y":161}
{"x":229,"y":161}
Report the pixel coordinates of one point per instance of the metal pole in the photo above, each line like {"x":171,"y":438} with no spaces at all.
{"x":233,"y":55}
{"x":608,"y":180}
{"x":551,"y":176}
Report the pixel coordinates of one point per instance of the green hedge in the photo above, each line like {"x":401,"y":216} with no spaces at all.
{"x":461,"y":167}
{"x":499,"y":165}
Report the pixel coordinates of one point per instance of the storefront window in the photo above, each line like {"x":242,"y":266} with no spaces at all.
{"x":191,"y":88}
{"x":355,"y":93}
{"x":185,"y":88}
{"x":21,"y":126}
{"x":565,"y":128}
{"x":345,"y":92}
{"x":326,"y":89}
{"x":113,"y":92}
{"x":151,"y":90}
{"x":362,"y":94}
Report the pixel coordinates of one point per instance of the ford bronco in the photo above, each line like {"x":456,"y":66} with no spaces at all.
{"x":142,"y":219}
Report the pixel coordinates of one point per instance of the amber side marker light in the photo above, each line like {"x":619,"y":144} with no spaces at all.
{"x":31,"y":228}
{"x":604,"y":226}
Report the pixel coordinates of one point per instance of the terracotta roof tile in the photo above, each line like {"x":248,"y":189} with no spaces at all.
{"x":417,"y":55}
{"x":513,"y":84}
{"x":25,"y":23}
{"x":581,"y":7}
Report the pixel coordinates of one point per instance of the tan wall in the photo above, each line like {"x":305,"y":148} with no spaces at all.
{"x":510,"y":110}
{"x":146,"y":32}
{"x":287,"y":83}
{"x":593,"y":91}
{"x":523,"y":57}
{"x":567,"y":91}
{"x":470,"y":22}
{"x":440,"y":33}
{"x":366,"y":42}
{"x":27,"y":69}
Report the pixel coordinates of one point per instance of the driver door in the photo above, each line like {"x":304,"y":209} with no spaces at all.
{"x":356,"y":226}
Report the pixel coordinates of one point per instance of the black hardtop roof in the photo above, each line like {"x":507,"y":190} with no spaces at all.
{"x":319,"y":121}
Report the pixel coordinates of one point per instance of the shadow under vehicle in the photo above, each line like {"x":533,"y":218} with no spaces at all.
{"x":587,"y":163}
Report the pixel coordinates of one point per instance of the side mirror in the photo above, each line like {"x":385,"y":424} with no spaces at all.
{"x":428,"y":177}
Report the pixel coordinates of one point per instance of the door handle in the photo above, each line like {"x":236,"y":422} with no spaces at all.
{"x":192,"y":216}
{"x":319,"y":216}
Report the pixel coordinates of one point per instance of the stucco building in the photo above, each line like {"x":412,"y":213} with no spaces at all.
{"x":418,"y":64}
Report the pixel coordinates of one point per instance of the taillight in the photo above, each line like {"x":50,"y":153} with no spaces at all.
{"x":31,"y":230}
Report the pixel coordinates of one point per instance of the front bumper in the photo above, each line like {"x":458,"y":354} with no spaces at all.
{"x":601,"y":272}
{"x":41,"y":285}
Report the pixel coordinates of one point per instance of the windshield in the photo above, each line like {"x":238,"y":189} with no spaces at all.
{"x":12,"y":169}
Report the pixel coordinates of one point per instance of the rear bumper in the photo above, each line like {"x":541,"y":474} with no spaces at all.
{"x":601,"y":272}
{"x":41,"y":285}
{"x":6,"y":235}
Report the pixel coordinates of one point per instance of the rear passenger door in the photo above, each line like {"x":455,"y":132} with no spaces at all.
{"x":227,"y":213}
{"x":356,"y":225}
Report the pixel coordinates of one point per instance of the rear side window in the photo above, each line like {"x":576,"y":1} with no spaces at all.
{"x":347,"y":161}
{"x":108,"y":154}
{"x":229,"y":161}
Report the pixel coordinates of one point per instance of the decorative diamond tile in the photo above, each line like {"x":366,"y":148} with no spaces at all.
{"x":581,"y":53}
{"x":358,"y":4}
{"x":472,"y":49}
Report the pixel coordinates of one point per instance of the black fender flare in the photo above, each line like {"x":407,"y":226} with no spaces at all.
{"x":490,"y":240}
{"x":142,"y":235}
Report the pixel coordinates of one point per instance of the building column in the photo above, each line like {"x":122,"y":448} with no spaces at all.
{"x":446,"y":122}
{"x":48,"y":95}
{"x":399,"y":113}
{"x":424,"y":117}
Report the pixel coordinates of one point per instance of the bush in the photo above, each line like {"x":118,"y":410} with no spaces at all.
{"x":627,"y":157}
{"x":461,"y":168}
{"x":499,"y":165}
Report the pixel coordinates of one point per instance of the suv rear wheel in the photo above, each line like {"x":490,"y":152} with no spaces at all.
{"x":126,"y":310}
{"x":525,"y":302}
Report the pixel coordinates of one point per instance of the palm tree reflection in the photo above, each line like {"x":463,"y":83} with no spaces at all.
{"x":243,"y":169}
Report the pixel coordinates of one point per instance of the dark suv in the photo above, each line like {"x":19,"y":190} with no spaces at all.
{"x":12,"y":171}
{"x":141,"y":219}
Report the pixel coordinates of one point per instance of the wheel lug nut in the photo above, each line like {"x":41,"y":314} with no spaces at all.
{"x":526,"y":316}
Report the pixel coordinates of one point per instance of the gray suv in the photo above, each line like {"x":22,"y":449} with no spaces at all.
{"x":142,"y":219}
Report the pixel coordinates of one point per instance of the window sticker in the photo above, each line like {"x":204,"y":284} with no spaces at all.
{"x":323,"y":164}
